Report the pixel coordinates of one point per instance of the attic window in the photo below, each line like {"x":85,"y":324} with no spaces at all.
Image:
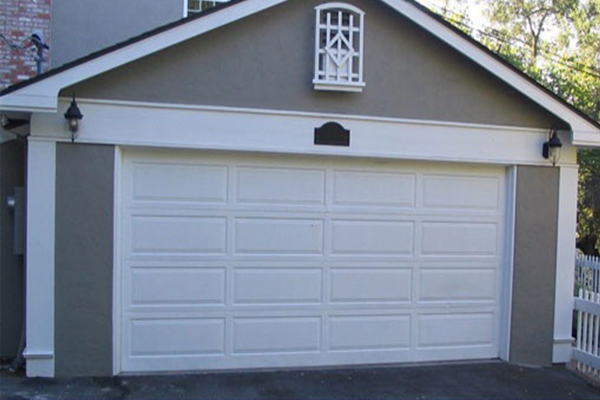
{"x":339,"y":41}
{"x":197,"y":6}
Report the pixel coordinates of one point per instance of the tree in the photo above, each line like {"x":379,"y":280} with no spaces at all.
{"x":557,"y":42}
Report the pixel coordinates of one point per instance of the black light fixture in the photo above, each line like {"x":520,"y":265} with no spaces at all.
{"x":551,"y":149}
{"x":73,"y":116}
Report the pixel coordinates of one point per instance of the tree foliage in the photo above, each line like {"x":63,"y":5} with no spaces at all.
{"x":557,"y":42}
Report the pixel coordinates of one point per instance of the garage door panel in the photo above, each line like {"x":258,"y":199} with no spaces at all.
{"x":280,"y":186}
{"x":457,"y":284}
{"x":456,"y":330}
{"x":278,"y":236}
{"x":461,"y":192}
{"x":181,"y":234}
{"x":276,"y":335}
{"x":372,"y":237}
{"x":368,"y":332}
{"x":377,"y":189}
{"x":459,"y":238}
{"x":163,"y":182}
{"x":370,"y":285}
{"x":278,"y":286}
{"x":184,"y":337}
{"x":177,"y":286}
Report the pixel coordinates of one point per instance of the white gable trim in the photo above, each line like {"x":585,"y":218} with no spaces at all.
{"x":42,"y":96}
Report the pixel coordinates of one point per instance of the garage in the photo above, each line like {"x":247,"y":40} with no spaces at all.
{"x":257,"y":261}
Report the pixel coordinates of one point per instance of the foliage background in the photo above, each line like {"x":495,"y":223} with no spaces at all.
{"x":556,"y":42}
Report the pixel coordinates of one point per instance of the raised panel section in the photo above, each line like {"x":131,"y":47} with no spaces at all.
{"x":353,"y":188}
{"x":459,"y":239}
{"x":364,"y":285}
{"x":167,"y":286}
{"x":279,"y":236}
{"x":457,"y":285}
{"x":461,"y":192}
{"x":382,"y":332}
{"x":182,"y":337}
{"x":179,"y":183}
{"x":372,"y":237}
{"x":276,"y":335}
{"x":184,"y":235}
{"x":443,"y":330}
{"x":277,"y":286}
{"x":280,"y":186}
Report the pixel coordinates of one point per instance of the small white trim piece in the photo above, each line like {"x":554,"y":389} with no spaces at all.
{"x":40,"y":355}
{"x":339,"y":87}
{"x":116,"y":317}
{"x":565,"y":260}
{"x":41,"y":188}
{"x":39,"y":364}
{"x":509,"y":251}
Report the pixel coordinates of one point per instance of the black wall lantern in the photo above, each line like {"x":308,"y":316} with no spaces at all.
{"x":73,"y":116}
{"x":551,"y":149}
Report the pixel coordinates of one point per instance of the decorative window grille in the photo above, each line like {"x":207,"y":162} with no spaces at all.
{"x":196,"y":6}
{"x":339,"y":42}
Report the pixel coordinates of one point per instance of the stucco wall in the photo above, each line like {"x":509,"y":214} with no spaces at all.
{"x":84,"y":259}
{"x":266,"y":61}
{"x":82,"y":27}
{"x":12,"y":174}
{"x":534,"y":279}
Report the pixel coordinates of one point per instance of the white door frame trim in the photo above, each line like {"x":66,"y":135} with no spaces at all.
{"x":117,"y":225}
{"x":509,"y":251}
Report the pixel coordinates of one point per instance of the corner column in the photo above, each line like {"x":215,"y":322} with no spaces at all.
{"x":41,"y":184}
{"x":565,"y":264}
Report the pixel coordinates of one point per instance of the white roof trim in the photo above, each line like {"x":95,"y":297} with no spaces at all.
{"x":42,"y":96}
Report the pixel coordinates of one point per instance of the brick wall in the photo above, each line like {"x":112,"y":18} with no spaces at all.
{"x":18,"y":20}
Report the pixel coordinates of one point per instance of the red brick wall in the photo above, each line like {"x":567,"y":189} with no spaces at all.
{"x":18,"y":20}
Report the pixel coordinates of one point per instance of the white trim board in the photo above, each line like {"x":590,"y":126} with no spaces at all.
{"x":42,"y":96}
{"x":270,"y":131}
{"x":565,"y":258}
{"x":41,"y":188}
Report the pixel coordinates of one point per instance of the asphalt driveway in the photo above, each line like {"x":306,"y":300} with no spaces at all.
{"x":489,"y":380}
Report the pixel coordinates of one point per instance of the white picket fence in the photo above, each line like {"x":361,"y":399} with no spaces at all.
{"x":586,"y":353}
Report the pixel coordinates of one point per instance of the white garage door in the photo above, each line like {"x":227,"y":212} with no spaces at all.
{"x":232,"y":261}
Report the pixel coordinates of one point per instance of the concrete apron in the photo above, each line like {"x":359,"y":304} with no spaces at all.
{"x":485,"y":380}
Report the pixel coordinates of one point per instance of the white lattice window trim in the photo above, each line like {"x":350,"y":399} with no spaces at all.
{"x":339,"y":47}
{"x":192,"y":7}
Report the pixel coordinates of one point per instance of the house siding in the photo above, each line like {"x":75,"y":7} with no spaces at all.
{"x":534,"y":275}
{"x":84,"y":260}
{"x":74,"y":37}
{"x":12,"y":175}
{"x":265,"y":61}
{"x":19,"y":19}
